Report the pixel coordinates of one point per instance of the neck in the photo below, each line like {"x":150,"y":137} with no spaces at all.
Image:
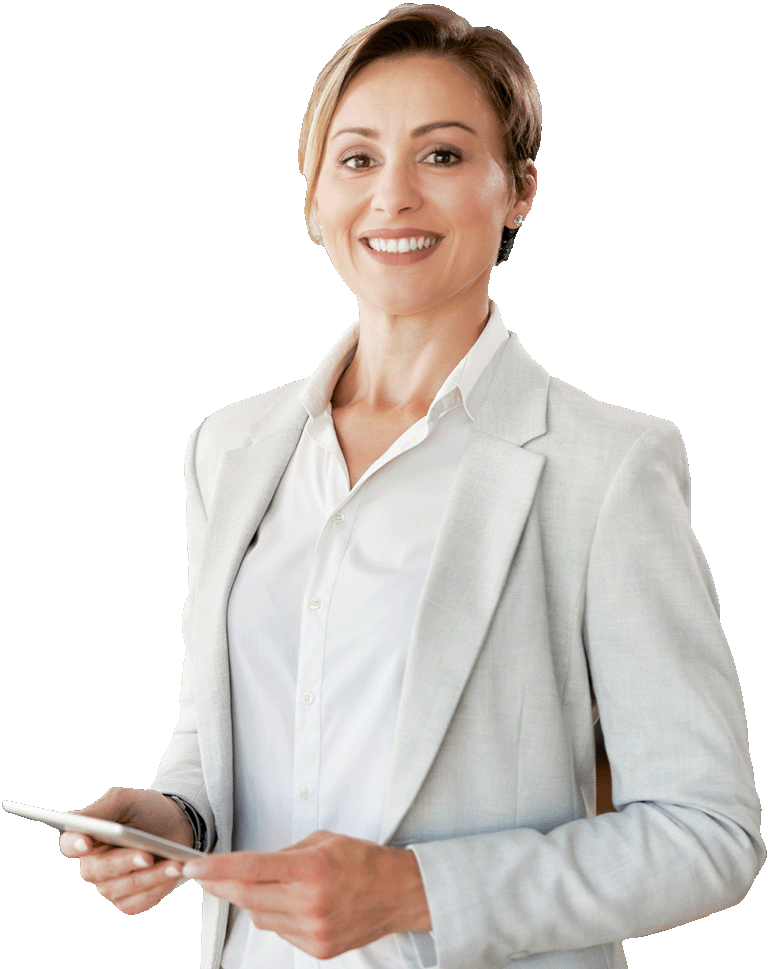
{"x":402,"y":361}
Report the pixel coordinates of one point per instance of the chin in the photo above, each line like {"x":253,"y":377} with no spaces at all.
{"x":401,"y":297}
{"x":399,"y":306}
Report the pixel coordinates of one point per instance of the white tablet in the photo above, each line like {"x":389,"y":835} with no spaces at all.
{"x":108,"y":832}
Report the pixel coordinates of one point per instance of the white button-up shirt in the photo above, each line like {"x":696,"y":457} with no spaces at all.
{"x":320,"y":618}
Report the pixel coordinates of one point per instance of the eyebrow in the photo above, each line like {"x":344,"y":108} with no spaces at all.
{"x":416,"y":133}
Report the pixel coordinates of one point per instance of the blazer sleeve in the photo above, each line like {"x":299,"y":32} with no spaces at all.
{"x":180,"y":771}
{"x":685,"y":839}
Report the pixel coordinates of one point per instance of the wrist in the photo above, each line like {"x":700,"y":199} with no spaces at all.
{"x":190,"y":830}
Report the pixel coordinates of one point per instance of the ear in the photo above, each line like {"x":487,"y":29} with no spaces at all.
{"x":315,"y":229}
{"x":520,"y":205}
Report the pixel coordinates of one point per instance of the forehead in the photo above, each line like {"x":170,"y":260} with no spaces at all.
{"x":412,"y":90}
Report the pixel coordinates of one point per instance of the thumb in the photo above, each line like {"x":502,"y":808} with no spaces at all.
{"x":116,"y":805}
{"x":110,"y":807}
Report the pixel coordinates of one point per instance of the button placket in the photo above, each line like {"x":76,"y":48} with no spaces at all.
{"x":306,"y":753}
{"x":324,"y":568}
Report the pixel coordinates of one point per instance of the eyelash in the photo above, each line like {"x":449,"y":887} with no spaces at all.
{"x":447,"y":151}
{"x":453,"y":152}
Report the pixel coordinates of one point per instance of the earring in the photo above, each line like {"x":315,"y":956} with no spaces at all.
{"x":315,"y":228}
{"x":518,"y":220}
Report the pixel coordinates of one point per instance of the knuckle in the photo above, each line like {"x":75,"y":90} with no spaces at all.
{"x":114,"y":795}
{"x":257,"y":919}
{"x":127,"y":906}
{"x":93,"y":870}
{"x":87,"y":873}
{"x":321,"y":931}
{"x":139,"y":899}
{"x":317,"y":910}
{"x":107,"y":797}
{"x":323,"y":949}
{"x":316,"y":867}
{"x":110,"y":800}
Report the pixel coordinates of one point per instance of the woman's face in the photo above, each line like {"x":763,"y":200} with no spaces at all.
{"x":414,"y":162}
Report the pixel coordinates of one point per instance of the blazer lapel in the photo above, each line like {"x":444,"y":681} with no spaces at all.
{"x":485,"y":516}
{"x":247,"y":481}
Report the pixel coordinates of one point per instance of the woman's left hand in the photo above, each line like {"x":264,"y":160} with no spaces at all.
{"x":325,"y":895}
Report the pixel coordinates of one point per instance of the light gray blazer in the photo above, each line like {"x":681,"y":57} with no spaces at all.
{"x":565,"y":573}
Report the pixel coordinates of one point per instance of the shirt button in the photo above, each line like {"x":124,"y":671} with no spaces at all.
{"x":314,"y":603}
{"x":303,"y":792}
{"x":338,"y":517}
{"x":308,"y":697}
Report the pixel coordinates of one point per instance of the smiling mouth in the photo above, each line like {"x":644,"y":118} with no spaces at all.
{"x":402,"y":245}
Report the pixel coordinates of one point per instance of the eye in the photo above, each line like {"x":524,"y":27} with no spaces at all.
{"x":443,"y":157}
{"x":358,"y":162}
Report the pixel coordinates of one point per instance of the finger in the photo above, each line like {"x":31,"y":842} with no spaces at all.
{"x":74,"y":845}
{"x":317,"y":837}
{"x":242,"y":894}
{"x":114,"y":863}
{"x":143,"y":902}
{"x":110,"y":806}
{"x":247,"y":866}
{"x":153,"y":881}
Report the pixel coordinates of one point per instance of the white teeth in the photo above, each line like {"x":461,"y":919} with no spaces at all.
{"x":402,"y":245}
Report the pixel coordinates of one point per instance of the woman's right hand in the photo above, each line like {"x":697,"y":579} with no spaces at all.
{"x":134,"y":881}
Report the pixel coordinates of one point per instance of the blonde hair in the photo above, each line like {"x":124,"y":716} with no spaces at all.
{"x":487,"y":54}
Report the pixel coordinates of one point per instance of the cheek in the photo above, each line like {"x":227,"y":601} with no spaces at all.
{"x":494,"y":194}
{"x":482,"y":203}
{"x":335,"y":204}
{"x":479,"y":217}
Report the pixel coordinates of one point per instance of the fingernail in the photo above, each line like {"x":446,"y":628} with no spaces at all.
{"x":172,"y":871}
{"x":81,"y":845}
{"x":192,"y":869}
{"x":140,"y":861}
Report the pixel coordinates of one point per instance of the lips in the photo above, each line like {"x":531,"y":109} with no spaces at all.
{"x":403,"y":243}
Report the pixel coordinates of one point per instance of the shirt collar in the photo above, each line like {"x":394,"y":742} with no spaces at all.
{"x":466,"y":384}
{"x":316,"y":393}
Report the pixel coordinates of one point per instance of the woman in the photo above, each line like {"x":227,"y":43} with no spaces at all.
{"x":417,"y":577}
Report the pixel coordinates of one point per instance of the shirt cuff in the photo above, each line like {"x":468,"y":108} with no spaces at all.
{"x":423,"y":943}
{"x":199,"y":827}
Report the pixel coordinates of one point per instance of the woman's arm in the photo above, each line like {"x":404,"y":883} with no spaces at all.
{"x":132,"y":880}
{"x":685,"y":840}
{"x":180,"y":771}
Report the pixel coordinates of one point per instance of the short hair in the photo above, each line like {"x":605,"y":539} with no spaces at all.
{"x":487,"y":54}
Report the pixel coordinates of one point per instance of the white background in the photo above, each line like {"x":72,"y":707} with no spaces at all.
{"x":155,"y":268}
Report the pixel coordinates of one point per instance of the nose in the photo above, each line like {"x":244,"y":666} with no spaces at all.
{"x":396,"y":189}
